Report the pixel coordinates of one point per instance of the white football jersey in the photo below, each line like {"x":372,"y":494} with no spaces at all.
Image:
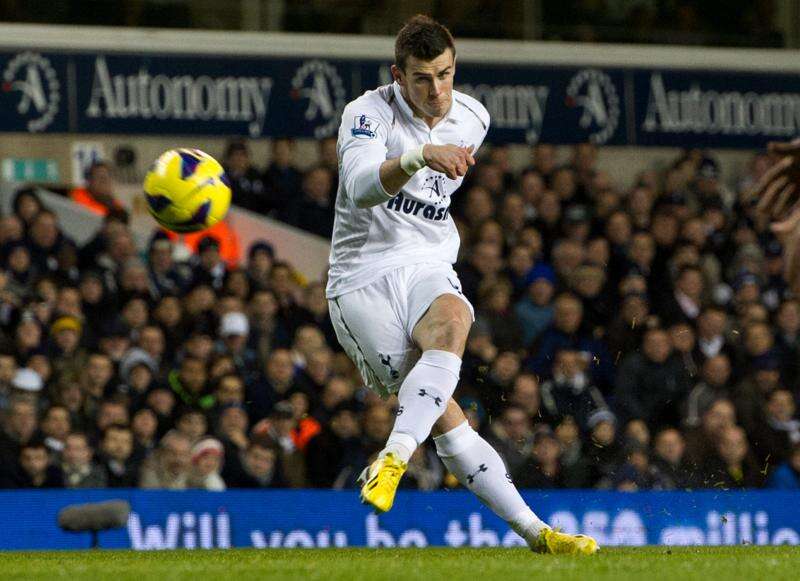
{"x":415,"y":225}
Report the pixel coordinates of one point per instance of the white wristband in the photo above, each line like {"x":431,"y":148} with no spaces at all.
{"x":412,"y":160}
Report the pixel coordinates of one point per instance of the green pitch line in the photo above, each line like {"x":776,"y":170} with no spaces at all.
{"x":650,"y":563}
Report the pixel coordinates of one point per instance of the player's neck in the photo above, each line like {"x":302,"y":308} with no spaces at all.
{"x":429,"y":121}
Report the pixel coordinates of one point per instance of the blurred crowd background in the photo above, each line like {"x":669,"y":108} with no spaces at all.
{"x":629,"y":336}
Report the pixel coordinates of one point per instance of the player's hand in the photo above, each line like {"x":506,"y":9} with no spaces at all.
{"x":451,"y":160}
{"x":777,"y":192}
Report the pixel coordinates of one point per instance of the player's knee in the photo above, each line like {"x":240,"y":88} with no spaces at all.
{"x":448,"y":332}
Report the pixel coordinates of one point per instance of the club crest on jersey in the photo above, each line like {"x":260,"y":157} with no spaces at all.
{"x":364,"y":127}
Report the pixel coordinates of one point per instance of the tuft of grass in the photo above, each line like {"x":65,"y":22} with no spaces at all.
{"x":650,"y":563}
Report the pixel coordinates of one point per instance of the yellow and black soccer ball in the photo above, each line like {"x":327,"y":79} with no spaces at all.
{"x":187,"y":190}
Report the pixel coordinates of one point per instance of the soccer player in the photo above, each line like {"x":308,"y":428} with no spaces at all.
{"x":395,"y":301}
{"x":778,"y":191}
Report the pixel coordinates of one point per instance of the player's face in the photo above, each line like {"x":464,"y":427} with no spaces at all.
{"x":428,"y":85}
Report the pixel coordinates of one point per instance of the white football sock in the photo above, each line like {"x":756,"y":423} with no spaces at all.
{"x":423,"y":399}
{"x":480,"y":468}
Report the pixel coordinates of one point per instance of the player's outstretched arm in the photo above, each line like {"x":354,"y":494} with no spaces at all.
{"x":451,"y":160}
{"x":777,"y":192}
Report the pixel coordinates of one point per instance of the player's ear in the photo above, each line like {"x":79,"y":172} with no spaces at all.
{"x":397,"y":75}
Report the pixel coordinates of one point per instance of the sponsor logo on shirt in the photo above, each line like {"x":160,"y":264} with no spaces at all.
{"x":416,"y":208}
{"x":364,"y":127}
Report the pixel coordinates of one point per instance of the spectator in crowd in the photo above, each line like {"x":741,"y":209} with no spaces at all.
{"x":45,"y":241}
{"x":259,"y":468}
{"x":80,"y":471}
{"x":26,"y":205}
{"x":637,"y":472}
{"x":20,"y":425}
{"x":714,"y":383}
{"x":604,"y":452}
{"x":542,"y":469}
{"x":234,"y":330}
{"x":686,"y":302}
{"x":26,"y":385}
{"x":188,"y":383}
{"x":313,"y":209}
{"x":787,"y":475}
{"x":192,"y":423}
{"x":207,"y":457}
{"x":750,"y":395}
{"x":209,"y":268}
{"x":116,"y":453}
{"x":733,"y":466}
{"x":571,"y":392}
{"x":701,"y":442}
{"x":535,"y":309}
{"x":280,"y":381}
{"x":56,"y":426}
{"x":169,"y":466}
{"x":35,"y":469}
{"x":98,"y":195}
{"x":334,"y":454}
{"x":166,"y":277}
{"x":282,"y":178}
{"x":650,"y":384}
{"x":627,"y":329}
{"x":669,"y":457}
{"x":485,"y":264}
{"x":260,"y":258}
{"x":246,"y":181}
{"x":711,"y":340}
{"x":775,"y":435}
{"x":512,"y":437}
{"x":566,"y":332}
{"x":505,"y":330}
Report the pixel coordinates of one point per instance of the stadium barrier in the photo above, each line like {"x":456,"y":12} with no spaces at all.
{"x":303,"y":519}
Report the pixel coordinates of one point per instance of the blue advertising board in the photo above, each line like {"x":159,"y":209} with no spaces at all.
{"x":151,"y":94}
{"x":304,"y":519}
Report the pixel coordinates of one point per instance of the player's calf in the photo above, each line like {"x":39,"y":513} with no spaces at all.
{"x":423,"y":398}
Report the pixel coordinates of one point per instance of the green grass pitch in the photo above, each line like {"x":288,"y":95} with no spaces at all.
{"x":648,"y":563}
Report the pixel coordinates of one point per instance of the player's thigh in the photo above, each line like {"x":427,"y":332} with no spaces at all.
{"x":373,"y":336}
{"x":440,"y":316}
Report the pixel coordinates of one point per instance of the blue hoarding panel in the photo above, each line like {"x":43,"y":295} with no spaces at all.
{"x":288,"y":518}
{"x":153,"y":94}
{"x":715,"y":109}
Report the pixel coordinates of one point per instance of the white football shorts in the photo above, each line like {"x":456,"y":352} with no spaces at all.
{"x":374,"y":323}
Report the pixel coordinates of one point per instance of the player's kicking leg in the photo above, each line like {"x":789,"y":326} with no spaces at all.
{"x":480,"y":469}
{"x":425,"y":400}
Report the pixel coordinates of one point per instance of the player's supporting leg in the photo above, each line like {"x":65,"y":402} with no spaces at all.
{"x":480,"y":469}
{"x":441,"y":335}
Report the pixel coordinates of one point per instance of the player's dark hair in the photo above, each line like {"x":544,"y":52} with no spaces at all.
{"x":423,"y":38}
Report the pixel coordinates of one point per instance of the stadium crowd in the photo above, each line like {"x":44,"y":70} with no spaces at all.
{"x":627,"y":338}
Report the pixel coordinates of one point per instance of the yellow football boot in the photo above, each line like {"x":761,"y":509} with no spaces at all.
{"x":558,"y":543}
{"x":379,"y":482}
